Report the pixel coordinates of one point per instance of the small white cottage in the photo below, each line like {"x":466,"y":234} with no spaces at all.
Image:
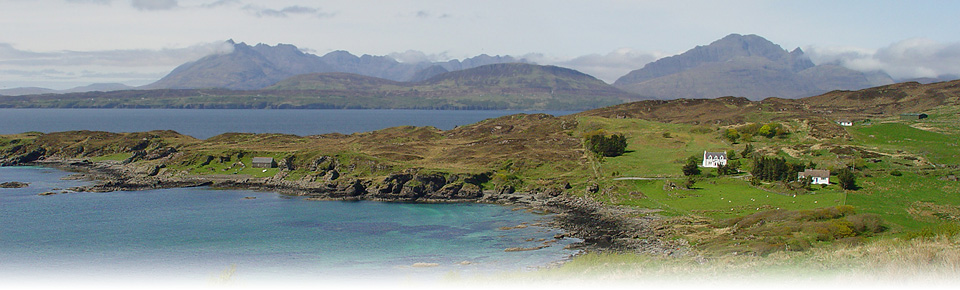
{"x":714,"y":159}
{"x":816,"y":176}
{"x":845,"y":123}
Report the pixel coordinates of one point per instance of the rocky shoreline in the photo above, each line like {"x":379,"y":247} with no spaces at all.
{"x":601,"y":228}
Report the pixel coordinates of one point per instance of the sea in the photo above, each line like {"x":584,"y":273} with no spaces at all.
{"x":203,"y":124}
{"x":204,"y":235}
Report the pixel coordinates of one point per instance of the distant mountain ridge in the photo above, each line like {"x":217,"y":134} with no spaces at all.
{"x":515,"y":86}
{"x":255,"y":67}
{"x":102,"y":87}
{"x":743,"y":66}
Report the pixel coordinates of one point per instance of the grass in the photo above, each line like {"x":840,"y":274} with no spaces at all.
{"x":936,"y":147}
{"x":649,"y":152}
{"x":720,"y":198}
{"x":928,"y":260}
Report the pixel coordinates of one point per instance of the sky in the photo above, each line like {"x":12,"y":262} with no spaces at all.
{"x":62,"y":44}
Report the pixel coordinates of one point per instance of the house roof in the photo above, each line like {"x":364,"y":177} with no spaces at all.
{"x":262,"y":159}
{"x":814,"y":173}
{"x":714,"y":155}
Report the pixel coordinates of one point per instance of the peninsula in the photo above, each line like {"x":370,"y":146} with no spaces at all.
{"x":640,"y":200}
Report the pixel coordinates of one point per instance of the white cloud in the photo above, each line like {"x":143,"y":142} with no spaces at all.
{"x":286,"y":11}
{"x":414,"y":56}
{"x":220,"y":3}
{"x":154,"y":4}
{"x":100,"y":2}
{"x":911,"y":58}
{"x":67,"y":69}
{"x":130,"y":58}
{"x":607,"y":67}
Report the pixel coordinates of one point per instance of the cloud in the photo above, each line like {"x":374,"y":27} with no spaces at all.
{"x":607,"y":67}
{"x":154,"y":4}
{"x":67,"y":69}
{"x":100,"y":2}
{"x":911,"y":58}
{"x":424,"y":14}
{"x":220,"y":3}
{"x":10,"y":56}
{"x":286,"y":11}
{"x":413,"y":56}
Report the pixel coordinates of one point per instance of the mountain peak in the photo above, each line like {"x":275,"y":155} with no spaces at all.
{"x":736,"y":65}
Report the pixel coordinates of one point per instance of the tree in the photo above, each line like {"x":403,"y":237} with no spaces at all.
{"x":746,"y":151}
{"x":691,"y":168}
{"x":731,"y":154}
{"x":606,"y":146}
{"x":731,"y":135}
{"x":847,"y":179}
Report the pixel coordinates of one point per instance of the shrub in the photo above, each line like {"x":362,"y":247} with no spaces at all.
{"x":896,"y":173}
{"x":798,"y":244}
{"x":866,"y":223}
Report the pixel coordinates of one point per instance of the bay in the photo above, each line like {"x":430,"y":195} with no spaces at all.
{"x":204,"y":124}
{"x":194,"y":234}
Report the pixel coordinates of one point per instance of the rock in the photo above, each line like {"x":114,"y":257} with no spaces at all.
{"x":425,"y":265}
{"x":47,"y":193}
{"x":14,"y":184}
{"x":331,"y":175}
{"x":250,"y":197}
{"x":522,"y":249}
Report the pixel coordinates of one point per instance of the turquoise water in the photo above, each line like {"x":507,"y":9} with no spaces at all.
{"x":197,"y":233}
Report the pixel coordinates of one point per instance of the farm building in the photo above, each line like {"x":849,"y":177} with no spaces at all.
{"x":913,"y":116}
{"x":264,"y":162}
{"x":845,"y":122}
{"x":816,"y":176}
{"x":714,"y":159}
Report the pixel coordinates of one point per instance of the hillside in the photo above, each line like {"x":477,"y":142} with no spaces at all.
{"x":882,"y":101}
{"x":903,"y":168}
{"x":742,"y":66}
{"x":513,"y":85}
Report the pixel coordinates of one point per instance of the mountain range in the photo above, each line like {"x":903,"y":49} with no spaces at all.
{"x":736,"y":65}
{"x":256,"y":67}
{"x":743,"y":66}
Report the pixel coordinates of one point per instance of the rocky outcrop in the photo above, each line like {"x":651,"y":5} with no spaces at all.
{"x":601,"y":228}
{"x":14,"y":184}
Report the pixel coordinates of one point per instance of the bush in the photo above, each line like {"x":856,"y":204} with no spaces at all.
{"x":896,"y":173}
{"x":866,"y":223}
{"x":798,"y":244}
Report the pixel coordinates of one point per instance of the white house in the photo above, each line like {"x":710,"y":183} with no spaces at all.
{"x":816,"y":176}
{"x":845,"y":123}
{"x":714,"y":159}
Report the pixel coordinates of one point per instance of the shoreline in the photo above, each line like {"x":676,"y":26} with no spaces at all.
{"x":600,"y":228}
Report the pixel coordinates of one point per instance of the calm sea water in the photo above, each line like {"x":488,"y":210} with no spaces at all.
{"x":208,"y":123}
{"x":193,"y":234}
{"x":199,"y":234}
